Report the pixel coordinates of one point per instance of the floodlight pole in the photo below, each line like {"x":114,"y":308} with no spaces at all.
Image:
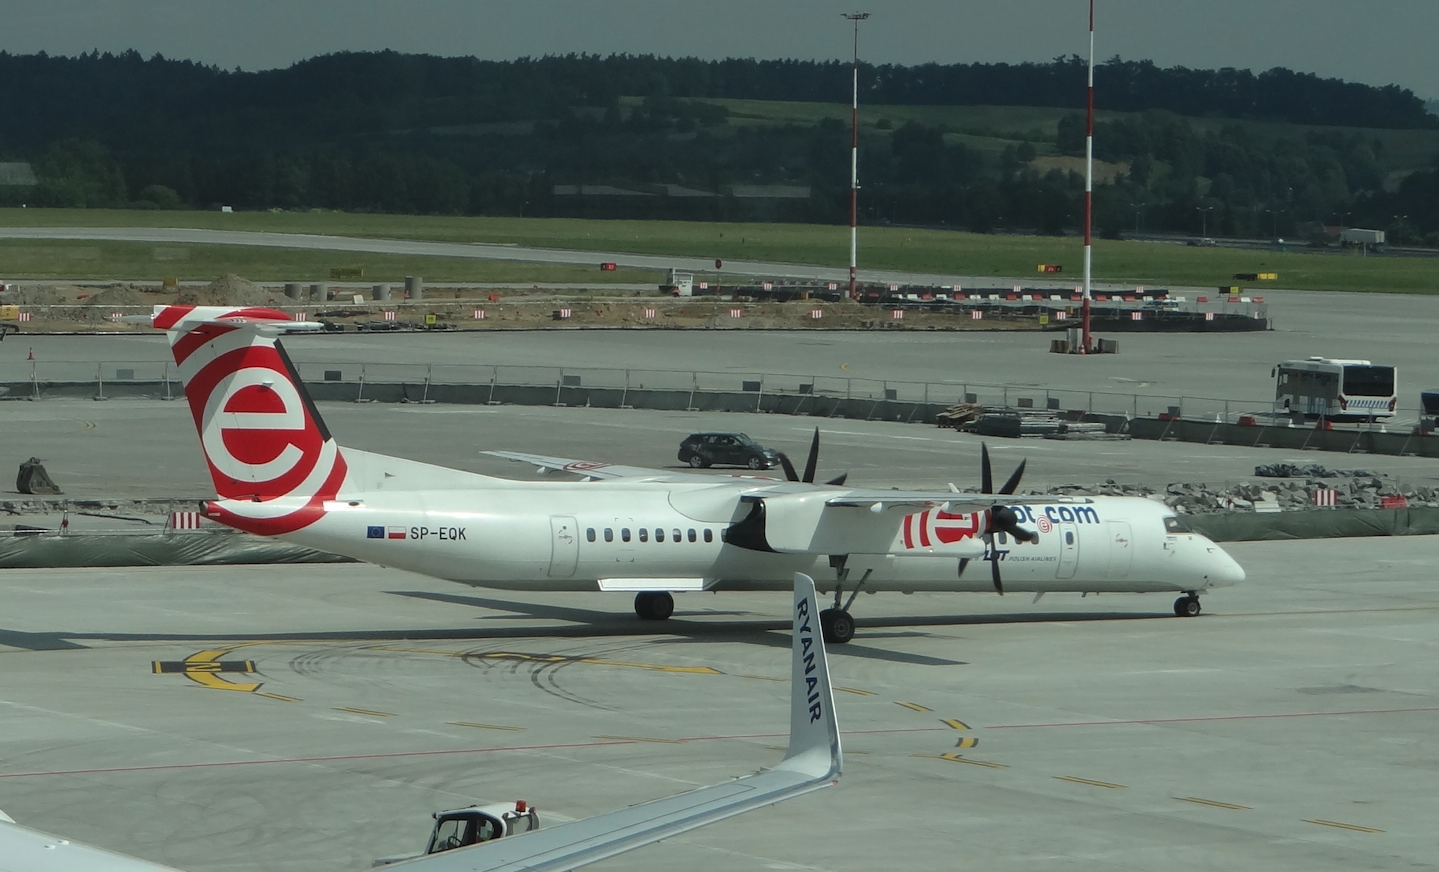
{"x":1088,"y":190}
{"x":856,"y":17}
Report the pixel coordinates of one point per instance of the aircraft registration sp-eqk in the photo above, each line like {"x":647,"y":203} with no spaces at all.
{"x":652,"y":533}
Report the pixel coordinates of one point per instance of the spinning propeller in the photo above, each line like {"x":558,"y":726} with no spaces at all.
{"x":809,"y":466}
{"x":1001,"y":518}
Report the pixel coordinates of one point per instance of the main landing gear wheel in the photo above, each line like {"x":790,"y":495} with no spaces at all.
{"x":654,"y":606}
{"x":836,"y":625}
{"x":1187,"y":606}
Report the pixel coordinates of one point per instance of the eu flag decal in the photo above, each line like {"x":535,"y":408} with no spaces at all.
{"x":374,"y":532}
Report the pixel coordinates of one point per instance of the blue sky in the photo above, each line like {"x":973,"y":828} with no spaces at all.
{"x":1379,"y":42}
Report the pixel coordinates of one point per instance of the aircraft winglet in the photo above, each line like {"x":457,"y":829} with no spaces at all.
{"x":813,"y":729}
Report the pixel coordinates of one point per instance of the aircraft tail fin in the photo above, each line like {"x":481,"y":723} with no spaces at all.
{"x":263,"y":439}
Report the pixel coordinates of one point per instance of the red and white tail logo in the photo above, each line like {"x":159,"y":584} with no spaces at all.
{"x":267,"y":449}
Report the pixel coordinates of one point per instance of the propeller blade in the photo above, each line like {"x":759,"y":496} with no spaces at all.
{"x":838,"y":480}
{"x":1013,"y":481}
{"x":1002,"y":519}
{"x":963,"y":565}
{"x":813,"y":461}
{"x":789,"y":472}
{"x":986,"y":478}
{"x":994,"y":571}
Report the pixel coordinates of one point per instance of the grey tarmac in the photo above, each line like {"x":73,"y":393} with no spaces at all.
{"x":1290,"y":727}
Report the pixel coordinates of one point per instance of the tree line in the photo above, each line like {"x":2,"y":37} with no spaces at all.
{"x":402,"y":133}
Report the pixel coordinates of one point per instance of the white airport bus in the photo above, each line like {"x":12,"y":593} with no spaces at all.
{"x":1335,"y":390}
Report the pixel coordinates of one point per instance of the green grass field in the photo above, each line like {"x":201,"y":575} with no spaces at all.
{"x":929,"y":251}
{"x":149,"y":262}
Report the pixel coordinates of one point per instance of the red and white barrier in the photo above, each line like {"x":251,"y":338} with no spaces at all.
{"x":736,"y":313}
{"x":977,"y":315}
{"x":480,"y":315}
{"x":897,"y":314}
{"x":25,"y":316}
{"x":185,"y":520}
{"x":389,"y":316}
{"x":1326,"y":497}
{"x":649,"y":313}
{"x":816,"y":314}
{"x":300,"y":316}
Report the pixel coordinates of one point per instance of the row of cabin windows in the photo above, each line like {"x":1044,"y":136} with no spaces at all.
{"x":676,"y":535}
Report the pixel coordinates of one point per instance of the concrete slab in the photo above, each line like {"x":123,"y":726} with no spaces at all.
{"x":1289,"y":727}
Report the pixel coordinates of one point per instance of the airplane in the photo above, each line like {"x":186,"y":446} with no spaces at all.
{"x":652,"y":533}
{"x":813,"y":761}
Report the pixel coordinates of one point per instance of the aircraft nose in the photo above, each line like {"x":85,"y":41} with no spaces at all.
{"x":1224,"y":570}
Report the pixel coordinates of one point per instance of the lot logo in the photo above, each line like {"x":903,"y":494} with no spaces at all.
{"x":262,"y":441}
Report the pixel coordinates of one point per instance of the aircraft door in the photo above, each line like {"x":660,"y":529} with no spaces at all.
{"x":564,"y":546}
{"x":1068,"y":549}
{"x":1121,"y":548}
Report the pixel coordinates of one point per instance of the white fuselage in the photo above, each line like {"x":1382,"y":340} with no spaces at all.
{"x":670,"y":536}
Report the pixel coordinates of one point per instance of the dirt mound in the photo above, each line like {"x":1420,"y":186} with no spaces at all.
{"x":117,"y":295}
{"x":39,"y":295}
{"x":228,"y":290}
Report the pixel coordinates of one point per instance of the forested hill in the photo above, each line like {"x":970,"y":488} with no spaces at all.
{"x":978,"y":146}
{"x":127,"y":98}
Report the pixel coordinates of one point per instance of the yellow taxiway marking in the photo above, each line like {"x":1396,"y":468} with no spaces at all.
{"x":281,"y":697}
{"x":954,"y":723}
{"x":764,"y":678}
{"x":967,"y":742}
{"x":359,"y":711}
{"x":844,"y":366}
{"x":1078,"y":780}
{"x":1355,"y":827}
{"x":486,"y":726}
{"x":956,"y":758}
{"x":1214,"y":802}
{"x":204,"y":668}
{"x":550,"y":658}
{"x":856,"y":691}
{"x":642,"y":739}
{"x":914,"y":707}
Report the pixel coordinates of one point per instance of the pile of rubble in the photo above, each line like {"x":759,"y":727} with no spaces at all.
{"x":1353,"y":489}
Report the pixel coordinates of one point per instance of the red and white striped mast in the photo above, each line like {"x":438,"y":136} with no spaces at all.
{"x":856,"y":17}
{"x":1088,"y":189}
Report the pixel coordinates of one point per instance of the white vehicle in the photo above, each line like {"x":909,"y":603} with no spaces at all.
{"x":813,"y":761}
{"x":650,"y":533}
{"x":1335,"y":390}
{"x":680,"y":283}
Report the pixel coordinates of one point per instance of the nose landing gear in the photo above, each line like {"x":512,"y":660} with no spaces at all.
{"x":1187,"y":606}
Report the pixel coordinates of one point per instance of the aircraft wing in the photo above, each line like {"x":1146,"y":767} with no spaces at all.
{"x":611,"y":471}
{"x":880,"y":500}
{"x":814,"y":760}
{"x":26,"y":850}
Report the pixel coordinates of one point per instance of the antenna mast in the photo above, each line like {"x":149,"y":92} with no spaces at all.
{"x":1088,"y":188}
{"x":856,"y":17}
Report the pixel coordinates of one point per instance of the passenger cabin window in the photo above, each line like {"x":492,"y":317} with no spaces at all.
{"x":709,"y":537}
{"x":659,"y":534}
{"x":1068,"y":537}
{"x":590,"y":534}
{"x":676,"y":536}
{"x":1174,"y":525}
{"x":692,"y":534}
{"x":625,"y":534}
{"x":644,"y":534}
{"x":609,"y":535}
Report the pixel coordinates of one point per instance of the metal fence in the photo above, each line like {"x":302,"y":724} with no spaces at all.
{"x":157,"y":377}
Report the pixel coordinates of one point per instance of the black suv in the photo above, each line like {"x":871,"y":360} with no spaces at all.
{"x":707,"y":449}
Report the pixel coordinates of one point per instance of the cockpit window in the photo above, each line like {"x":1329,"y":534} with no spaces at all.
{"x":1174,"y":525}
